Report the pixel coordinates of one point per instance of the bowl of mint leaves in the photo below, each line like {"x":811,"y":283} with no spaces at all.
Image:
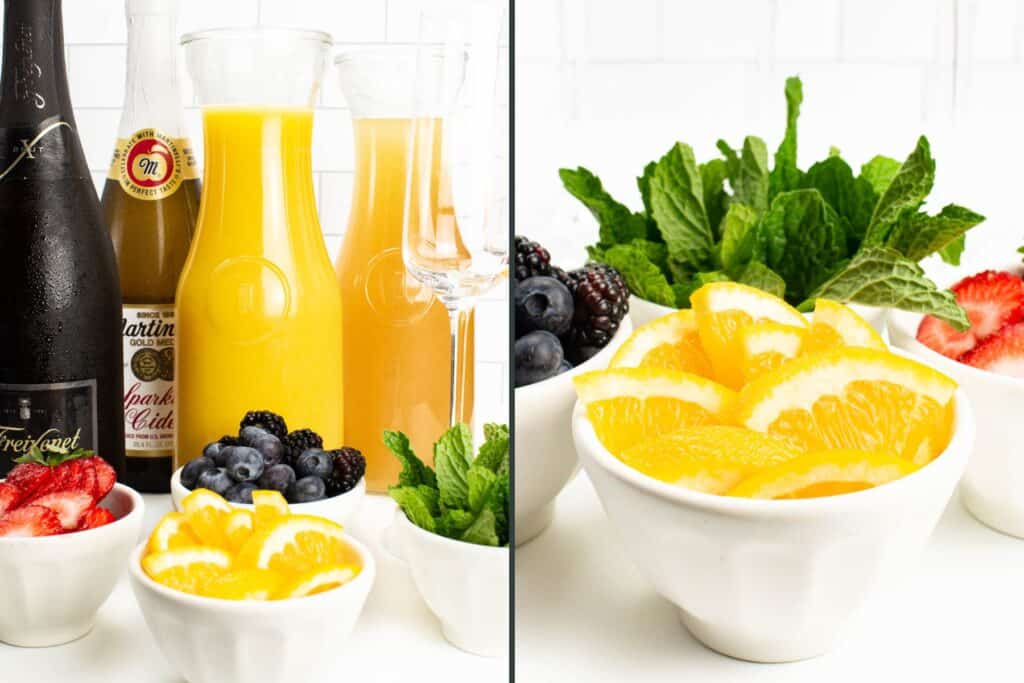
{"x":452,"y":530}
{"x":799,"y":234}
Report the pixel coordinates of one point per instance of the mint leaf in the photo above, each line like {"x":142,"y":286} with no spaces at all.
{"x":452,"y":454}
{"x":643,"y":183}
{"x":453,"y":523}
{"x":752,"y":181}
{"x":677,"y":197}
{"x":785,"y":175}
{"x":756,"y":274}
{"x":498,"y":503}
{"x":656,"y":252}
{"x":952,"y":252}
{"x":480,"y":480}
{"x":431,"y":497}
{"x":713,"y":175}
{"x":904,"y":194}
{"x":738,"y":222}
{"x":642,"y":276}
{"x":852,"y":198}
{"x":802,"y":239}
{"x":414,"y":505}
{"x":878,"y":276}
{"x":732,"y":161}
{"x":879,"y":172}
{"x":414,"y":471}
{"x":617,"y":224}
{"x":494,"y":452}
{"x":919,"y":235}
{"x":484,"y":530}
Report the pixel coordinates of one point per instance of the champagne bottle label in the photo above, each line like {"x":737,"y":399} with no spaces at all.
{"x":152,"y":165}
{"x":58,"y":415}
{"x":147,"y":333}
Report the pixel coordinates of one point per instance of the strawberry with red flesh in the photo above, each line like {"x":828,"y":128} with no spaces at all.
{"x":67,"y":485}
{"x":30,"y":520}
{"x":1002,"y":353}
{"x":992,"y":300}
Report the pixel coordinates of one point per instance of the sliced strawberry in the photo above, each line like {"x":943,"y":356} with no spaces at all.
{"x":10,"y":496}
{"x":89,"y":482}
{"x":106,"y":477}
{"x":96,"y":517}
{"x":30,"y":477}
{"x":992,"y":300}
{"x":70,"y":506}
{"x":1003,"y":352}
{"x":30,"y":520}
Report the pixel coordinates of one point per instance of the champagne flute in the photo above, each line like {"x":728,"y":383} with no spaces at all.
{"x":455,"y":229}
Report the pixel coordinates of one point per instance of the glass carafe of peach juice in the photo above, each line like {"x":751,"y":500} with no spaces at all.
{"x":259,"y":315}
{"x":397,"y":337}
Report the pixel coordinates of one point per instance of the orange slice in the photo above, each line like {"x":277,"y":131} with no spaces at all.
{"x":243,"y":584}
{"x":767,"y":345}
{"x":297,"y":544}
{"x":171,"y":532}
{"x":670,"y":342}
{"x":855,"y":398}
{"x":722,"y":309}
{"x":207,"y":514}
{"x":630,"y":405}
{"x":824,"y":473}
{"x":712,"y":458}
{"x":187,"y":568}
{"x":319,"y":581}
{"x":835,"y":325}
{"x":268,"y":507}
{"x":238,"y":528}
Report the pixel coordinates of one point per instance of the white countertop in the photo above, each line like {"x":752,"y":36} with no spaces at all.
{"x":585,"y":613}
{"x":396,"y":640}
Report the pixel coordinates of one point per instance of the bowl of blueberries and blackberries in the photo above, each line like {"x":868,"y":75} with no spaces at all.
{"x":563,"y":317}
{"x":567,"y":322}
{"x":265,"y":455}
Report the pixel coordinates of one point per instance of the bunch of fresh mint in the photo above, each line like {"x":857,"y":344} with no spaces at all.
{"x":466,"y":498}
{"x":823,"y":232}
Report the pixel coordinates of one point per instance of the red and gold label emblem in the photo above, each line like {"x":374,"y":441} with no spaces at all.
{"x":152,"y":165}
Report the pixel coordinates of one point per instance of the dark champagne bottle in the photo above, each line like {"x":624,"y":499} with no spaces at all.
{"x":61,"y":379}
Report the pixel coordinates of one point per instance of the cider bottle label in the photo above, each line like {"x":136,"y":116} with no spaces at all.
{"x":60,"y":415}
{"x":152,"y":165}
{"x":149,"y":401}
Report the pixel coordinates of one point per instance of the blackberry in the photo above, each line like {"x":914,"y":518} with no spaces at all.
{"x":272,"y":422}
{"x":602,"y":301}
{"x":349,"y":468}
{"x":298,"y":441}
{"x":531,"y":259}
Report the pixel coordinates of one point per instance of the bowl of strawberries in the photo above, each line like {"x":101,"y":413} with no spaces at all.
{"x":67,"y":529}
{"x":987,"y":360}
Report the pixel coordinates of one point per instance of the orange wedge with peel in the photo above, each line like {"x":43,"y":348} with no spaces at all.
{"x":824,"y":473}
{"x":670,"y":342}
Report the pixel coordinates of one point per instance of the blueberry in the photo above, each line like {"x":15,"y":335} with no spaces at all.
{"x":306,"y":490}
{"x":213,"y":452}
{"x":191,"y":471}
{"x":244,"y":463}
{"x":217,"y":480}
{"x":240,"y":493}
{"x":271,"y":448}
{"x":314,"y":462}
{"x":277,"y":478}
{"x":539,"y":356}
{"x":566,"y":366}
{"x":543,"y":303}
{"x":251,"y":434}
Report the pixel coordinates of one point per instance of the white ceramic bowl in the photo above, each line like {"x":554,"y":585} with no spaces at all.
{"x":771,"y":581}
{"x":51,"y":587}
{"x":341,"y":509}
{"x":643,"y":312}
{"x":545,"y":457}
{"x":466,"y":586}
{"x":993,"y":487}
{"x":228,"y":641}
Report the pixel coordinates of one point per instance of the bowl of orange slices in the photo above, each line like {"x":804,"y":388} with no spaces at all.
{"x":775,"y":471}
{"x":261,"y":595}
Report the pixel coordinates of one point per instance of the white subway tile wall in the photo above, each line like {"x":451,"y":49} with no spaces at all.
{"x":611,"y":85}
{"x":95,"y":34}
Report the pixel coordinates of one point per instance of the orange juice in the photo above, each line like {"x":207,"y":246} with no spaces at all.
{"x":396,"y":333}
{"x":258,"y":310}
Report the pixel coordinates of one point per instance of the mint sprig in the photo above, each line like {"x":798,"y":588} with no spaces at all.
{"x":466,"y":498}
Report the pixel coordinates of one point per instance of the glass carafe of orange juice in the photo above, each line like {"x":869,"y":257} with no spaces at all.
{"x":258,"y":310}
{"x":397,"y":336}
